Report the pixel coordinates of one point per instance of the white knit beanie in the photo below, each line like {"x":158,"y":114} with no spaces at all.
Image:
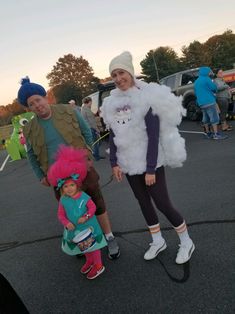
{"x":122,"y":61}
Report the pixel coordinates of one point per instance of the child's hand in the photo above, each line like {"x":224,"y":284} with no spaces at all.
{"x":81,"y":220}
{"x":84,"y":218}
{"x":70,"y":226}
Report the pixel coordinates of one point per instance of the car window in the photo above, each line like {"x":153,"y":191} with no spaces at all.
{"x":189,"y":78}
{"x":105,"y":94}
{"x":169,"y":81}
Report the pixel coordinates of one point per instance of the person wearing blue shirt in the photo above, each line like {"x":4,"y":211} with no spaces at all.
{"x":205,"y":91}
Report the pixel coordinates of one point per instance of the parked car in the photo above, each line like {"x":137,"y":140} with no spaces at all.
{"x":181,"y":84}
{"x":97,"y":99}
{"x":229,"y":77}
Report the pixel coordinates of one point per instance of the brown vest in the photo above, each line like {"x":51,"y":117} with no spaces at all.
{"x":65,"y":122}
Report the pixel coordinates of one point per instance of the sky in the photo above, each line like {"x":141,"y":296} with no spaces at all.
{"x":35,"y":34}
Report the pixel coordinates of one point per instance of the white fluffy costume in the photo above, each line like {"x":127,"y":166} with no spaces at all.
{"x":124,"y":113}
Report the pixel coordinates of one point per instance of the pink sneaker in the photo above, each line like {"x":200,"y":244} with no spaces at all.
{"x":86,"y":268}
{"x":95,"y":272}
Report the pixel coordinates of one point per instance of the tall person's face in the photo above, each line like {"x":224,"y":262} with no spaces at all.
{"x":122,"y":79}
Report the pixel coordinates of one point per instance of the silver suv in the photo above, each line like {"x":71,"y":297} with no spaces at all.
{"x":181,"y":83}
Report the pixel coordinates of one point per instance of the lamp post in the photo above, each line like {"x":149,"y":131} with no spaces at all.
{"x":155,"y":66}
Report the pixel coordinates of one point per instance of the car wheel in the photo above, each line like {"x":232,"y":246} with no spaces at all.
{"x":193,"y":111}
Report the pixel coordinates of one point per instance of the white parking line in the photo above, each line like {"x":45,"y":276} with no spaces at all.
{"x":193,"y":132}
{"x":4,"y":163}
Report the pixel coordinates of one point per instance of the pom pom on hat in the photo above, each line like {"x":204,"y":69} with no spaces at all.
{"x":24,"y":80}
{"x":122,"y":61}
{"x":29,"y":89}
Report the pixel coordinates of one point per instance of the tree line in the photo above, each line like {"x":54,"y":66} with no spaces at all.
{"x":73,"y":78}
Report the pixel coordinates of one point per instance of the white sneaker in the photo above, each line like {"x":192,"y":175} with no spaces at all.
{"x":154,"y":250}
{"x":185,"y":252}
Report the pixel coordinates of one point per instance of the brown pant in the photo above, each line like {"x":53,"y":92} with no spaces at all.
{"x":91,"y":187}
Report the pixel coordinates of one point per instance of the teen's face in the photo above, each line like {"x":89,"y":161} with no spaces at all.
{"x":122,"y":79}
{"x":89,"y":104}
{"x":39,"y":105}
{"x":220,"y":73}
{"x":70,"y":188}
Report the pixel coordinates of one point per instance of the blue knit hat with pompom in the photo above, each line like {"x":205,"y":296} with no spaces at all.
{"x":29,"y":89}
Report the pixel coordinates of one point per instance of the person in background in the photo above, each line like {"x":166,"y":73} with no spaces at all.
{"x":55,"y":125}
{"x":89,"y":117}
{"x":223,"y":96}
{"x":3,"y":143}
{"x":73,"y":105}
{"x":142,"y":119}
{"x":205,"y":91}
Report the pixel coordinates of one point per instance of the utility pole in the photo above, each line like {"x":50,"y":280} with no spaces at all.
{"x":155,"y":66}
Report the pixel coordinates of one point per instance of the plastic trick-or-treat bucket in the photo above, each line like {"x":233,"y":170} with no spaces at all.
{"x":85,"y":240}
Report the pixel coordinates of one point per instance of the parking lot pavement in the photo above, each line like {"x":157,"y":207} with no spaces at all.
{"x":49,"y":282}
{"x":4,"y":158}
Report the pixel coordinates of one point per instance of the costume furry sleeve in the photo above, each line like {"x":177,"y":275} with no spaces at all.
{"x":170,"y":111}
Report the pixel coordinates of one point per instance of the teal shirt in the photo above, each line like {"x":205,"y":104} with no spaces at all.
{"x":53,"y":139}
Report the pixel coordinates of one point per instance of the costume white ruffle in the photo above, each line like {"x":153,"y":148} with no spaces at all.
{"x":124,"y":112}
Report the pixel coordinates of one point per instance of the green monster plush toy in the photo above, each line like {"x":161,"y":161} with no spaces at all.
{"x":15,"y":149}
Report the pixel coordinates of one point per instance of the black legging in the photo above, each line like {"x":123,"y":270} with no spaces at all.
{"x":159,"y":194}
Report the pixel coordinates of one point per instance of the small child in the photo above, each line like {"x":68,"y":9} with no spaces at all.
{"x":82,"y":232}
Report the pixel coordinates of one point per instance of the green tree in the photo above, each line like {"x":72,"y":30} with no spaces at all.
{"x":9,"y":111}
{"x":5,"y":116}
{"x":221,"y":49}
{"x":194,"y":55}
{"x":67,"y":91}
{"x":73,"y":70}
{"x":15,"y":108}
{"x":160,"y":62}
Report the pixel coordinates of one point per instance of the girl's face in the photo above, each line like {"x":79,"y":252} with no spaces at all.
{"x":122,"y":79}
{"x":70,"y":188}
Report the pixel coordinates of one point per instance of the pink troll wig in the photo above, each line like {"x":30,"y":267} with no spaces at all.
{"x":70,"y":164}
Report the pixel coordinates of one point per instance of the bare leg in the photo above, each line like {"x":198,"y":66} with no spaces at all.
{"x":104,"y":222}
{"x":215,"y":128}
{"x":207,"y":130}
